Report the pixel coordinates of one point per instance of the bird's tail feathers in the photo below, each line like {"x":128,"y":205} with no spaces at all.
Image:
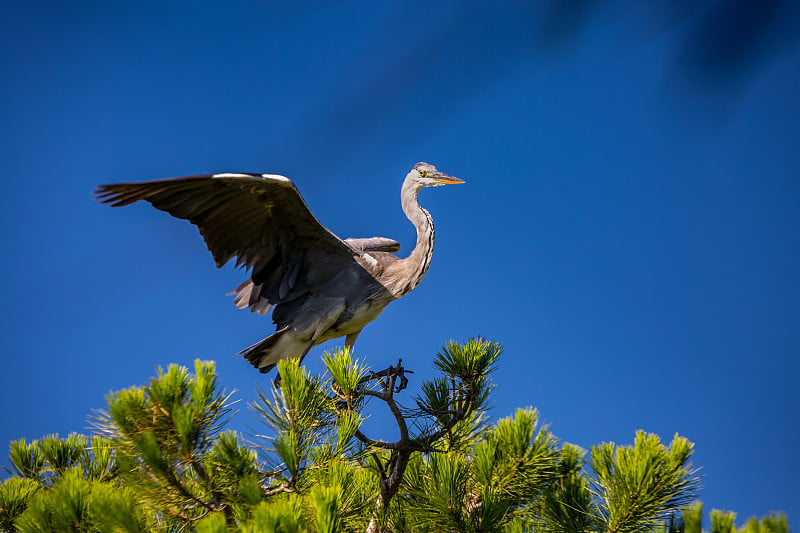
{"x":266,"y":353}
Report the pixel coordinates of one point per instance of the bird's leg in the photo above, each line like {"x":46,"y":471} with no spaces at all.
{"x":350,"y":340}
{"x":305,"y":352}
{"x":322,"y":313}
{"x":277,"y":381}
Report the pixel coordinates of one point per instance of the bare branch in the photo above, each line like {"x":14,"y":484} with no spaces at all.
{"x":378,"y":443}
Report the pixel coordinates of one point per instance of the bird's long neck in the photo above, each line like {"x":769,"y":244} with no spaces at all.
{"x":415,"y":266}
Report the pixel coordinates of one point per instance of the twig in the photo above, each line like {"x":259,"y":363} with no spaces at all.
{"x":283,"y":487}
{"x":379,"y":464}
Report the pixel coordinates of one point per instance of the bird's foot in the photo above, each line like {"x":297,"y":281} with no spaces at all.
{"x":393,"y":373}
{"x":400,"y":372}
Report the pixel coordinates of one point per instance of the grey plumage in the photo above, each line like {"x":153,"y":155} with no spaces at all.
{"x":320,"y":286}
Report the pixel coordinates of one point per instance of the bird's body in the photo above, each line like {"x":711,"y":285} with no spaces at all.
{"x":321,"y":287}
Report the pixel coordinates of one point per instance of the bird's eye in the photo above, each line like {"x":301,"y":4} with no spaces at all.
{"x":422,"y":173}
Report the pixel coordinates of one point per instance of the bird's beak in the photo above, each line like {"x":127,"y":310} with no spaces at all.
{"x":446,"y":179}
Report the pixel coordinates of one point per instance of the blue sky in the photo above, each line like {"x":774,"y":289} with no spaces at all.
{"x":629,"y":230}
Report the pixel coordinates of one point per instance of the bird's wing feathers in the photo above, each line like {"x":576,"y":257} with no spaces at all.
{"x":374,"y":244}
{"x":260,"y":219}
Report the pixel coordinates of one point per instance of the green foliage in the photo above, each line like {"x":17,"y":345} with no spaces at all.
{"x":76,"y":503}
{"x":346,"y":373}
{"x":641,"y":484}
{"x":14,"y":496}
{"x":169,"y":447}
{"x":163,"y":462}
{"x":65,"y":507}
{"x":282,"y":516}
{"x":213,"y":523}
{"x":304,"y":425}
{"x":772,"y":523}
{"x":62,"y":454}
{"x":326,"y":507}
{"x":567,"y":505}
{"x":113,"y":510}
{"x":439,"y":492}
{"x":691,"y":519}
{"x":475,"y":359}
{"x":26,"y":459}
{"x":450,"y":405}
{"x":47,"y":459}
{"x":722,"y":521}
{"x":64,"y":465}
{"x":515,"y":458}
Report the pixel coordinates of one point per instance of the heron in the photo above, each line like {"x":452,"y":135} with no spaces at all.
{"x":319,"y":286}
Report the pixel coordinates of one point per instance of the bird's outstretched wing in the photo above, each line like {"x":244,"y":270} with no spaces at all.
{"x":260,"y":219}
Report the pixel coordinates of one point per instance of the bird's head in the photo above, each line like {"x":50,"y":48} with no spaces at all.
{"x":425,"y":175}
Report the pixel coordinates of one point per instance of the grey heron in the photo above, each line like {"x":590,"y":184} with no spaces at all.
{"x":320,"y":286}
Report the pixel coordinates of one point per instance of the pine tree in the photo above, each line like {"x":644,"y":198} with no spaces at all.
{"x":162,"y":461}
